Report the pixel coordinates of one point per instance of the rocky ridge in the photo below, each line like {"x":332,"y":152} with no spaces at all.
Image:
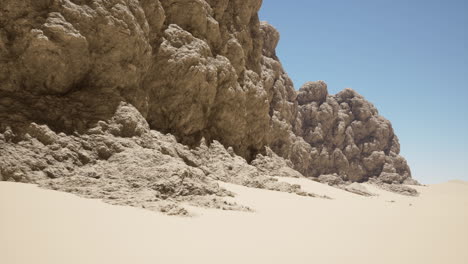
{"x":122,"y":161}
{"x":133,"y":100}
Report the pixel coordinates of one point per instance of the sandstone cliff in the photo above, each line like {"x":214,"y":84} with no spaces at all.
{"x":82,"y":82}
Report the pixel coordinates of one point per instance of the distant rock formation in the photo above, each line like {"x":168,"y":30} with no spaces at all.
{"x":72,"y":71}
{"x":347,"y":136}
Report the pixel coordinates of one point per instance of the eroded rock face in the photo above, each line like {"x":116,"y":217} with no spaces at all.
{"x":122,"y":161}
{"x":347,"y":136}
{"x":84,"y":81}
{"x":192,"y":68}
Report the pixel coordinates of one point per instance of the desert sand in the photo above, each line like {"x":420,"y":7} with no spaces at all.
{"x":44,"y":226}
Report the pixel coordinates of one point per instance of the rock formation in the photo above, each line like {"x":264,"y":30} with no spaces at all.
{"x":122,"y":161}
{"x":82,"y":82}
{"x":347,"y":136}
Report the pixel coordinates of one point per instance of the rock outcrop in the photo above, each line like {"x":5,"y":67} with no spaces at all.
{"x":347,"y":136}
{"x":122,"y":161}
{"x":85,"y":85}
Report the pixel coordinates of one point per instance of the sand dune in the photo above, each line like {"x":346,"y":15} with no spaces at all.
{"x":42,"y":226}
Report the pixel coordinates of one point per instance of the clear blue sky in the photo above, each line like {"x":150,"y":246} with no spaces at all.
{"x":408,"y":57}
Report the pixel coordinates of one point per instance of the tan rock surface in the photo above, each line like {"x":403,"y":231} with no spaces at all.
{"x":85,"y":85}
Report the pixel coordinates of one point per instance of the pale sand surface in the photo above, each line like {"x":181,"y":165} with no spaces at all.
{"x":41,"y":226}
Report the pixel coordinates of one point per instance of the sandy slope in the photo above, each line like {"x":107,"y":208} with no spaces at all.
{"x":41,"y":226}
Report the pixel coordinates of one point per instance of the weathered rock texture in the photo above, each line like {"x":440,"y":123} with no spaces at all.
{"x":347,"y":136}
{"x":122,"y":161}
{"x":82,"y":82}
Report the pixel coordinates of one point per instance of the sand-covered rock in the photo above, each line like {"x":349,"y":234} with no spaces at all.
{"x":358,"y":189}
{"x":122,"y":161}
